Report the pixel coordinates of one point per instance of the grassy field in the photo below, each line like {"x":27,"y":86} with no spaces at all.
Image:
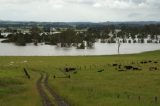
{"x":88,"y":85}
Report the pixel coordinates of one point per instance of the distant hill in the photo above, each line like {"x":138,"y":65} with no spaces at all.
{"x":4,"y":23}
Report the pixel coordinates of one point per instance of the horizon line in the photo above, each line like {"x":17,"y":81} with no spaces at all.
{"x":75,"y":21}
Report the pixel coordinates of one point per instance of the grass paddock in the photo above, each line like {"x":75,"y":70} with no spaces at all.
{"x":87,"y":85}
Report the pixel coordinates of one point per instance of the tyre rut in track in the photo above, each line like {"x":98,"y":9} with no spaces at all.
{"x":42,"y":86}
{"x":45,"y":99}
{"x":59,"y":100}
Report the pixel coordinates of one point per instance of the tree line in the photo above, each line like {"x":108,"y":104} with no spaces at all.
{"x":70,"y":37}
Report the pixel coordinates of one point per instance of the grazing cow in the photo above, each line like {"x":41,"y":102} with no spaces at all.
{"x":101,"y":70}
{"x":70,"y":69}
{"x":128,"y":67}
{"x":156,"y":68}
{"x":153,"y":68}
{"x":145,"y":62}
{"x":114,"y":64}
{"x":141,"y":62}
{"x":135,"y":68}
{"x":149,"y":61}
{"x":155,"y":62}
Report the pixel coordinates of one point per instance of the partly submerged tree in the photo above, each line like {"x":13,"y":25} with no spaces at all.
{"x":35,"y":32}
{"x":1,"y":35}
{"x":67,"y":37}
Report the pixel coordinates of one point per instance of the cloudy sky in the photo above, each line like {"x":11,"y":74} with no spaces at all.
{"x":80,"y":10}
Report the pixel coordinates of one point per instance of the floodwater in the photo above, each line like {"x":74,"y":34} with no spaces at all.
{"x":10,"y":49}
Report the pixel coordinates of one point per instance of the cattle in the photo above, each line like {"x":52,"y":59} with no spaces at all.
{"x":155,"y":62}
{"x":114,"y":64}
{"x":128,"y":67}
{"x":143,"y":62}
{"x":149,"y":61}
{"x":153,"y":68}
{"x":135,"y":68}
{"x":119,"y":66}
{"x":69,"y":69}
{"x":101,"y":70}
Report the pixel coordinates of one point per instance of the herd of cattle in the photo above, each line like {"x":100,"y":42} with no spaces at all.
{"x":152,"y":66}
{"x":134,"y":66}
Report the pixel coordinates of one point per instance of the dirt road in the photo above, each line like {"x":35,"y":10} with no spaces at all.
{"x":43,"y":86}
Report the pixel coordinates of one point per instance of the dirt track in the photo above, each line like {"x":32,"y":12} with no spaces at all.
{"x":59,"y":100}
{"x":45,"y":98}
{"x":43,"y":81}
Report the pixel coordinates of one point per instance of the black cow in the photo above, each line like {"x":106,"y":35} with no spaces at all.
{"x":128,"y":67}
{"x":149,"y":61}
{"x":114,"y":64}
{"x":101,"y":70}
{"x":153,"y":68}
{"x":135,"y":68}
{"x":155,"y":62}
{"x":70,"y":69}
{"x":145,"y":62}
{"x":119,"y":66}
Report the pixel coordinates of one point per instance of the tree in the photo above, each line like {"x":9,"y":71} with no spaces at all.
{"x":82,"y":46}
{"x":1,"y":35}
{"x":35,"y":32}
{"x":67,"y":37}
{"x":20,"y":39}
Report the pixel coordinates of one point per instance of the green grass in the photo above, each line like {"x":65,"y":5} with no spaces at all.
{"x":87,"y":87}
{"x":16,"y":89}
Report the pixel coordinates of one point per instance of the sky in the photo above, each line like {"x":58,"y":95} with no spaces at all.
{"x":80,"y":10}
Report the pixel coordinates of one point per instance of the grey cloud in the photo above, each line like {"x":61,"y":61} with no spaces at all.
{"x":74,"y":10}
{"x":21,"y":1}
{"x":138,"y":1}
{"x":81,"y":1}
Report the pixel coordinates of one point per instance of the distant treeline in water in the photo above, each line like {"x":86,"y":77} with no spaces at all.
{"x":86,"y":37}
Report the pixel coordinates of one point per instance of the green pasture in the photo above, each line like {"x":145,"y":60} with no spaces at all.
{"x":86,"y":86}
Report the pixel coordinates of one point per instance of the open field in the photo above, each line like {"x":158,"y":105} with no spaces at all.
{"x":119,"y":80}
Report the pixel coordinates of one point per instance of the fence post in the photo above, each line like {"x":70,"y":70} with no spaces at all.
{"x":139,"y":98}
{"x":156,"y":99}
{"x":118,"y":96}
